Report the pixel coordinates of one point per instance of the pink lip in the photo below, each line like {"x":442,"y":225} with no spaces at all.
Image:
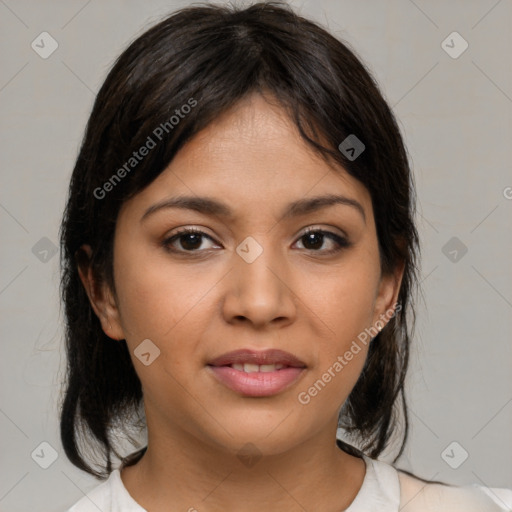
{"x":257,"y":384}
{"x":270,"y":356}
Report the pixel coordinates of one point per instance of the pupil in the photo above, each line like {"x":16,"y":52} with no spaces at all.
{"x":195,"y":237}
{"x":312,"y":237}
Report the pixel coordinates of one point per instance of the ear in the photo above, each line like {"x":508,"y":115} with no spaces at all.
{"x":387,"y":296}
{"x":100,"y":295}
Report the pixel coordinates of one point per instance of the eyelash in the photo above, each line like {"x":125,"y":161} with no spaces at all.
{"x":342,"y":242}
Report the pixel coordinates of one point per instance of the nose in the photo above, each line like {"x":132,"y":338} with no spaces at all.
{"x":260,"y":292}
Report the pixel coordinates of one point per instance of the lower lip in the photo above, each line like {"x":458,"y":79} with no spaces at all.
{"x":257,"y":383}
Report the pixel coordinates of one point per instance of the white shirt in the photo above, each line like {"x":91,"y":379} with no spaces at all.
{"x":384,"y":489}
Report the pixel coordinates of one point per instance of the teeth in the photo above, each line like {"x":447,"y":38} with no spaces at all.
{"x":251,"y":368}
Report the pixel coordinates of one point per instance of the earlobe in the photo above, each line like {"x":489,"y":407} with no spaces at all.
{"x":100,"y":296}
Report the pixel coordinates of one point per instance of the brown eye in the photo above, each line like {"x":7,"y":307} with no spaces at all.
{"x":189,"y":239}
{"x":314,"y":240}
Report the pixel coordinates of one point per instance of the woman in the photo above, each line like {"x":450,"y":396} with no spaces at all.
{"x":239,"y":255}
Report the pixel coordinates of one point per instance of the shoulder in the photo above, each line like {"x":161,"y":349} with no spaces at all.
{"x":110,"y":495}
{"x":417,"y":495}
{"x":99,"y":498}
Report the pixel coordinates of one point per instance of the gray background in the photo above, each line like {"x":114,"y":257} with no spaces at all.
{"x":456,"y":116}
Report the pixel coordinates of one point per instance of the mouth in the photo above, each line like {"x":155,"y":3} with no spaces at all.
{"x":252,"y":368}
{"x":257,"y":374}
{"x":249,"y":359}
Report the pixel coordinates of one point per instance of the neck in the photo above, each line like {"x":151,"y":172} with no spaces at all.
{"x":181,"y":472}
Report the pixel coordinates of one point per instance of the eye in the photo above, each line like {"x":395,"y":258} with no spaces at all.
{"x":314,"y":240}
{"x":190,"y":240}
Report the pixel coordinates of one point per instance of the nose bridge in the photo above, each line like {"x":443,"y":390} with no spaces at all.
{"x":258,"y":288}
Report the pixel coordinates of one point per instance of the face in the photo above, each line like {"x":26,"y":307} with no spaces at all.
{"x":254,"y":279}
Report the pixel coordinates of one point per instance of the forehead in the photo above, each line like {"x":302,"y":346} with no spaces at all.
{"x":253,"y":156}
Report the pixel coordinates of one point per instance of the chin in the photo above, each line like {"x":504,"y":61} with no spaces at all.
{"x":266,"y":437}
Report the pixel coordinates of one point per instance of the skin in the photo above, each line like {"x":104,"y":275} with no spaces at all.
{"x":294,"y":296}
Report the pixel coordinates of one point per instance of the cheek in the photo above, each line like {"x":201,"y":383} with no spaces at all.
{"x":342,"y":347}
{"x":344,"y":299}
{"x":154,"y":296}
{"x":165,"y":304}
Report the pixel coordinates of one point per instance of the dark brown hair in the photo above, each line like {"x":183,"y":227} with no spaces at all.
{"x":217,"y":55}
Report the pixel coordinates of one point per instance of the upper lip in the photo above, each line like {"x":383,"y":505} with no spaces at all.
{"x":270,"y":356}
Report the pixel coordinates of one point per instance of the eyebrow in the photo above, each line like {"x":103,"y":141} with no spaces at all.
{"x":209,"y":206}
